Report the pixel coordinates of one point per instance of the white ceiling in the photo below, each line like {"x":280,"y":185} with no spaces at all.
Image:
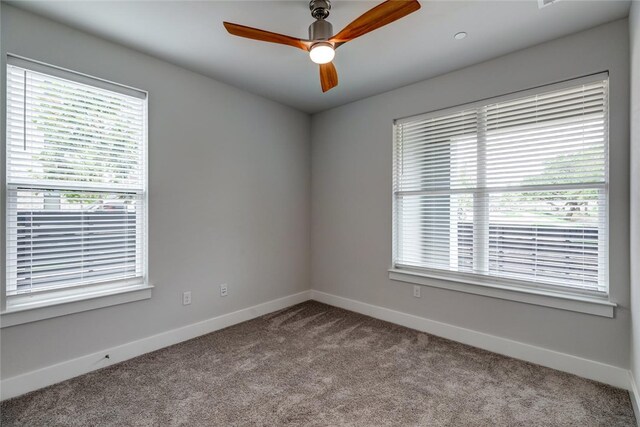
{"x":190,"y":34}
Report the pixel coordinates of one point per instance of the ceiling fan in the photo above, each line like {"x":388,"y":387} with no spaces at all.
{"x":322,"y":44}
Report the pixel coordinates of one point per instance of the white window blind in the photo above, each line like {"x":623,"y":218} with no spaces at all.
{"x":76,"y":181}
{"x":511,"y":191}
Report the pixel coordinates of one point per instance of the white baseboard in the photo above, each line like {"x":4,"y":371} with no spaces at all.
{"x":618,"y":377}
{"x":24,"y":383}
{"x":635,"y":397}
{"x":608,"y":374}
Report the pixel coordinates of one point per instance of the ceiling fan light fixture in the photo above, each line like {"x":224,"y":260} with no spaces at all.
{"x":322,"y":53}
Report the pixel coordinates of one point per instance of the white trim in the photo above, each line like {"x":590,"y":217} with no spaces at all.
{"x":635,"y":397}
{"x":69,"y":301}
{"x":581,"y":304}
{"x":24,"y":383}
{"x":608,"y":374}
{"x":504,"y":189}
{"x":536,"y":90}
{"x":475,"y":115}
{"x":74,"y":76}
{"x":25,"y":308}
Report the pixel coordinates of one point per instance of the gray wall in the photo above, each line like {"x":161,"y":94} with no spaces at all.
{"x":351,"y":197}
{"x":634,"y":49}
{"x":229,"y":189}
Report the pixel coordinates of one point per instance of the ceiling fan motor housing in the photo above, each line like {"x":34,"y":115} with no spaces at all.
{"x":320,"y":30}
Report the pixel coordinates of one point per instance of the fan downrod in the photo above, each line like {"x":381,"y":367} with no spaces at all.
{"x":320,"y":30}
{"x":320,"y":8}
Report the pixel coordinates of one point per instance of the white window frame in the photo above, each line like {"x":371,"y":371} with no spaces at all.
{"x":508,"y":289}
{"x":30,"y":307}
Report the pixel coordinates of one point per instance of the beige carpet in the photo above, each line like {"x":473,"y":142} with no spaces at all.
{"x":316,"y":365}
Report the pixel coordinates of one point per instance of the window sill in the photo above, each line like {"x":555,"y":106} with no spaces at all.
{"x":581,"y":304}
{"x":31,"y":308}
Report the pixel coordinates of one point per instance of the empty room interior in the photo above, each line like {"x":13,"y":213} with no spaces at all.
{"x":320,"y":213}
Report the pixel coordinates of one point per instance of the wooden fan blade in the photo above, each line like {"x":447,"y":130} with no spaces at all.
{"x":265,"y":36}
{"x":381,"y":15}
{"x":328,"y":76}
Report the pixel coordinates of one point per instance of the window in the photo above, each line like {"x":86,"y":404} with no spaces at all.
{"x":510,"y":191}
{"x":76,"y":182}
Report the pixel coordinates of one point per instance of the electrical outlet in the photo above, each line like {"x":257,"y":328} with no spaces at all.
{"x":416,"y":291}
{"x":223,"y":290}
{"x":186,"y":298}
